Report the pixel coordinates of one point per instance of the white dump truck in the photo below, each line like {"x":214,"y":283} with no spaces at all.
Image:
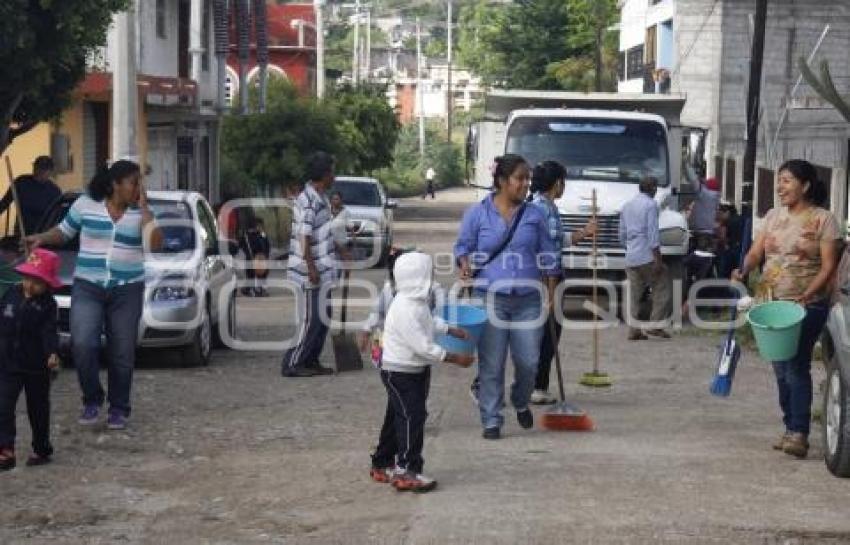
{"x":607,"y":142}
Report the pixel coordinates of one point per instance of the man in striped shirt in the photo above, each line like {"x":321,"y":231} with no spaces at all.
{"x":312,"y":266}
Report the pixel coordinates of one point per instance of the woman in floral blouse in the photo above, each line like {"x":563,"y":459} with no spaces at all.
{"x":798,"y":244}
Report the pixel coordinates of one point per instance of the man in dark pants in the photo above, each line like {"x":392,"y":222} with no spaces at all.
{"x":255,"y":246}
{"x":36,"y":193}
{"x":312,"y":260}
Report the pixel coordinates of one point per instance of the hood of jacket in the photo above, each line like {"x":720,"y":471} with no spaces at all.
{"x":414,"y":274}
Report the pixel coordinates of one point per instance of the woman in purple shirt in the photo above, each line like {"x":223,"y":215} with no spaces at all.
{"x":512,"y":277}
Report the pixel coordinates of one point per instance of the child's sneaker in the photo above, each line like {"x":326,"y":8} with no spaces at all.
{"x":414,"y":482}
{"x":89,"y":415}
{"x":7,"y":459}
{"x":383,"y":474}
{"x":116,"y":421}
{"x":38,"y":460}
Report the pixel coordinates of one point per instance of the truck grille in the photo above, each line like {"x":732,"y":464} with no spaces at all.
{"x":609,"y":229}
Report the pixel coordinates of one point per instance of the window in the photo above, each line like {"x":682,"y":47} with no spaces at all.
{"x":650,"y":46}
{"x":160,"y":19}
{"x":205,"y":37}
{"x":358,"y":193}
{"x":621,"y":151}
{"x":729,"y":194}
{"x":208,"y":223}
{"x":634,"y":62}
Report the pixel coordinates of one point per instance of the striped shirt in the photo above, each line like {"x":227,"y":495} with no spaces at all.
{"x":311,"y":217}
{"x":111,"y":253}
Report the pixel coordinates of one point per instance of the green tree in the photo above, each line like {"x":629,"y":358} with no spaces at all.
{"x":369,"y":126}
{"x":43,"y":50}
{"x":540,"y":44}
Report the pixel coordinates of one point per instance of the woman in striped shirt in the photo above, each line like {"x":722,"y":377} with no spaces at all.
{"x":108,"y":285}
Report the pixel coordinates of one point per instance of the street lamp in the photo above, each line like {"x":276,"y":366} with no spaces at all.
{"x":320,"y":44}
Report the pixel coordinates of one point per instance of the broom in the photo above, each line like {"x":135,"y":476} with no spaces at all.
{"x":562,"y":416}
{"x":596,"y":378}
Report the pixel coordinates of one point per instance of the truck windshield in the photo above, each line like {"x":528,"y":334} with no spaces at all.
{"x":357,"y":193}
{"x":616,"y":150}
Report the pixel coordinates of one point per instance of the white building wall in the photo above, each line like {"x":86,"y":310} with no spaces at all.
{"x":158,"y":56}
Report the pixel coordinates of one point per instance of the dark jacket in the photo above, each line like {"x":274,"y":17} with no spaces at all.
{"x":27,"y":331}
{"x":36,"y":197}
{"x":255,"y":242}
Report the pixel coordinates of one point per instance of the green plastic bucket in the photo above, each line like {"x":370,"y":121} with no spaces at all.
{"x":776,"y":327}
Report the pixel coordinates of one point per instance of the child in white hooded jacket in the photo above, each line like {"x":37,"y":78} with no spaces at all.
{"x":408,"y":352}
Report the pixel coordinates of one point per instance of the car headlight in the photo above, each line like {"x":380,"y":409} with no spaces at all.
{"x":172,"y":293}
{"x":674,"y":236}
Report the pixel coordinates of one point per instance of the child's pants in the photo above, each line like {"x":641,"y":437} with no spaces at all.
{"x":37,"y":389}
{"x":403,"y":432}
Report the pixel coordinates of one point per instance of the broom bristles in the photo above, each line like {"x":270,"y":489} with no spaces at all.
{"x":567,"y":422}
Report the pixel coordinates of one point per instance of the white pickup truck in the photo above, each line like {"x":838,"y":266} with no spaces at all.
{"x":607,"y":142}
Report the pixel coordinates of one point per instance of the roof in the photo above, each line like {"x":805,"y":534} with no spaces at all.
{"x":499,"y":104}
{"x":358,"y":179}
{"x":574,"y":112}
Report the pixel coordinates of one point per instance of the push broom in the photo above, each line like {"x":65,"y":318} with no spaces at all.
{"x":563,"y":416}
{"x":595,"y":378}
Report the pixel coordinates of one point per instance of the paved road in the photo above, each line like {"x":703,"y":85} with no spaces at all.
{"x":233,"y":453}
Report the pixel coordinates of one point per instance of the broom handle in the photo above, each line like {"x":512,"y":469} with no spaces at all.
{"x":593,"y":254}
{"x":17,"y":206}
{"x":557,"y":354}
{"x":344,"y":298}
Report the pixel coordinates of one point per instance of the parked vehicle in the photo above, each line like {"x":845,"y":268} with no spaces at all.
{"x":608,"y":142}
{"x":371,"y":214}
{"x":835,"y":347}
{"x":183,"y":280}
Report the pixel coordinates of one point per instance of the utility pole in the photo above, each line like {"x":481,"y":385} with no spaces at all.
{"x":420,"y":96}
{"x":355,"y":61}
{"x":320,"y":48}
{"x":368,"y":61}
{"x":449,"y":102}
{"x":125,"y":94}
{"x":753,"y":99}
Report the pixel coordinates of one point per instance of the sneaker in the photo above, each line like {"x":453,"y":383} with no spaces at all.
{"x":658,"y":334}
{"x":319,"y":369}
{"x":474,"y":390}
{"x":492,"y":434}
{"x":383,"y":474}
{"x":780,"y":443}
{"x":525,"y":419}
{"x":413,"y":482}
{"x":300,"y":372}
{"x":90,"y":415}
{"x":7,"y":459}
{"x":796,"y":445}
{"x":117,"y":420}
{"x":38,"y":460}
{"x":542,"y":397}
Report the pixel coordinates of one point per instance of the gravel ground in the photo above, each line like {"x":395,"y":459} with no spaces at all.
{"x":233,"y":453}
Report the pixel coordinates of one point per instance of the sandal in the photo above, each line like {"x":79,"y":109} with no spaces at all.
{"x":7,"y":459}
{"x":38,"y":460}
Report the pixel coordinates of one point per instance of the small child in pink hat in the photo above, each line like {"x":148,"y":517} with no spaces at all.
{"x":28,"y":353}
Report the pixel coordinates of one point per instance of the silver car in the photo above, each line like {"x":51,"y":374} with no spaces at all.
{"x":184,"y":281}
{"x":835,"y":344}
{"x":371,"y":214}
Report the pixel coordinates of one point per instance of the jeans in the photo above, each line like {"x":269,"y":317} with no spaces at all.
{"x":547,"y":352}
{"x":115,"y":311}
{"x":37,"y":389}
{"x":403,"y":432}
{"x":523,"y":339}
{"x":794,"y":377}
{"x":641,"y":278}
{"x":314,"y":330}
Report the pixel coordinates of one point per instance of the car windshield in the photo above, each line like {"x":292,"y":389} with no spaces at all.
{"x":614,"y":150}
{"x":175,"y":222}
{"x":357,"y":193}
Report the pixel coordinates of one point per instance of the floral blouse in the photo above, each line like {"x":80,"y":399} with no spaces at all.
{"x":792,"y":250}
